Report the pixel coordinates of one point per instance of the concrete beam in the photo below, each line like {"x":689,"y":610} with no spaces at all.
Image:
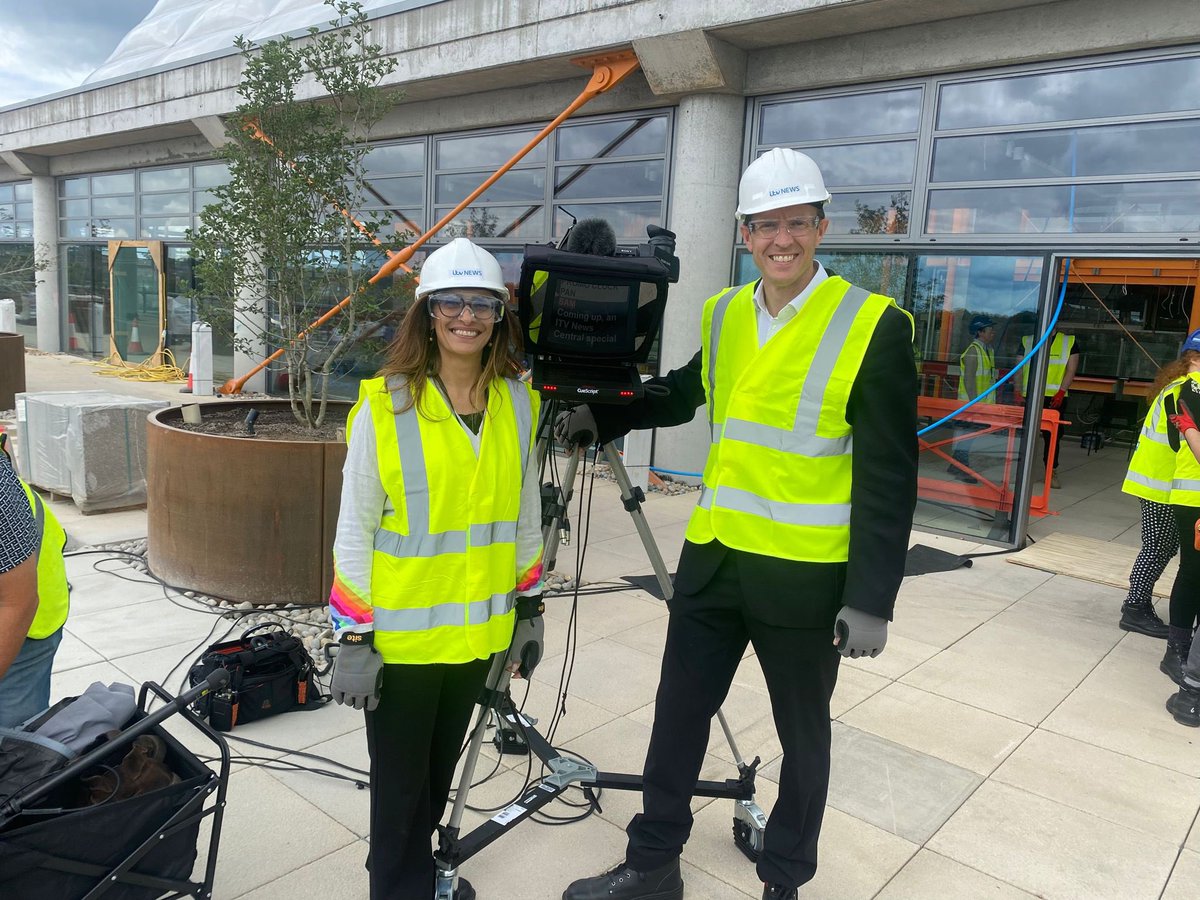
{"x":26,"y":163}
{"x":213,"y":128}
{"x":691,"y":62}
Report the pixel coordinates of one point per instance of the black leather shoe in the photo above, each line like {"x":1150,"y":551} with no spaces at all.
{"x":1174,"y":660}
{"x":1143,"y":620}
{"x":779,"y":892}
{"x":1185,"y":706}
{"x":625,"y":883}
{"x":464,"y":891}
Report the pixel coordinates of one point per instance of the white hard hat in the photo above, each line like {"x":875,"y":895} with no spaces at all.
{"x":461,"y":264}
{"x":779,"y":178}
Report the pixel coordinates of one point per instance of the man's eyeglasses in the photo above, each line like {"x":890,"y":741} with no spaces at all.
{"x":799,"y":226}
{"x":450,"y":306}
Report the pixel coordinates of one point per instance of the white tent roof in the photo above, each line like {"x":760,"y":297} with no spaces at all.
{"x":179,"y":31}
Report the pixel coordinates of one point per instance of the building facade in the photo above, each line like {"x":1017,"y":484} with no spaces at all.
{"x":987,"y":164}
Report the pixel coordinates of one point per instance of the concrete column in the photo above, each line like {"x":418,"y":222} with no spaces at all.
{"x":249,"y":348}
{"x":704,"y":177}
{"x":45,"y":248}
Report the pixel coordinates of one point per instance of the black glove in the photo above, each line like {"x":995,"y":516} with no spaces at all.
{"x":859,"y":633}
{"x":357,"y":672}
{"x":526,"y":648}
{"x":575,"y":426}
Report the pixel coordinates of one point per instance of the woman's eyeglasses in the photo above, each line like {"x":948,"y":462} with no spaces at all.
{"x":451,"y":306}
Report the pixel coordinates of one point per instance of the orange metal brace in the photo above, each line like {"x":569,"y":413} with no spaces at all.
{"x":608,"y":71}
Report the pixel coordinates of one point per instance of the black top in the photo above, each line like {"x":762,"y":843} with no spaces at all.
{"x":882,"y":412}
{"x":18,"y":533}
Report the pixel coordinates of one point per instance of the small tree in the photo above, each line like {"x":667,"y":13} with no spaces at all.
{"x":19,"y":268}
{"x":276,"y":246}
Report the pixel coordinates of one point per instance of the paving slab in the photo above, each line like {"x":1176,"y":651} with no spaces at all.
{"x":1051,"y":850}
{"x":930,"y":874}
{"x":1185,"y":878}
{"x":946,"y":729}
{"x":341,"y":875}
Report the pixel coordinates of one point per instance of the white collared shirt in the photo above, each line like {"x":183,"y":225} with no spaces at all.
{"x":768,"y":325}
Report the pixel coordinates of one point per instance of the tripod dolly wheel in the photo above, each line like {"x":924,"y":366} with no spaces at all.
{"x":749,"y":825}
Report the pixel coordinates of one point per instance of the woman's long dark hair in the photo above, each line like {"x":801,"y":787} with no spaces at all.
{"x":1175,"y":369}
{"x":414,"y":354}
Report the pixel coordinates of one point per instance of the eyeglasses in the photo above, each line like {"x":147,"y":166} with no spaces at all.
{"x":450,"y":306}
{"x":798,"y":226}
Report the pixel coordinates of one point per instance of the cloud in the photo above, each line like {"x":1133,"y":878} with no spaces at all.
{"x":50,"y":47}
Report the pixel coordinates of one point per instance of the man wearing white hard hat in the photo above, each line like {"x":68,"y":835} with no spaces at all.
{"x":798,"y":541}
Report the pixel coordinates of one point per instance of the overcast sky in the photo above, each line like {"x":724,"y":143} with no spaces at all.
{"x":51,"y":45}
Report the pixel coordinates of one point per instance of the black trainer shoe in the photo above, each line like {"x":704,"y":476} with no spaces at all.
{"x":1185,"y":706}
{"x":625,"y":883}
{"x":1174,"y":660}
{"x":1143,"y":620}
{"x":779,"y":892}
{"x":463,"y":890}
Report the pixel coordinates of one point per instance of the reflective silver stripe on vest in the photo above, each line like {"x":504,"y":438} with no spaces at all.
{"x":1147,"y":481}
{"x":714,"y":339}
{"x":803,"y":439}
{"x":457,"y":614}
{"x":777,"y":511}
{"x":1185,"y":484}
{"x":39,"y":516}
{"x":420,"y":544}
{"x":523,"y":407}
{"x":1157,"y":436}
{"x":487,"y":533}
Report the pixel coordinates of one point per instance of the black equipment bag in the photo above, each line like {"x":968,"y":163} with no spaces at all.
{"x":269,"y":673}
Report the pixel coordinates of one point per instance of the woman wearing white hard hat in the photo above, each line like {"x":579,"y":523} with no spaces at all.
{"x":438,"y":553}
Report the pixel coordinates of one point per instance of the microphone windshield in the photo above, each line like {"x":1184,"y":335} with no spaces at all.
{"x":594,"y":237}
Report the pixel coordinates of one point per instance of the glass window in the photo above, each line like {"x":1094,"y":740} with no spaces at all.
{"x":477,"y":222}
{"x":73,"y":187}
{"x":890,"y":162}
{"x":201,"y":199}
{"x":1132,"y":149}
{"x":164,"y":204}
{"x":396,"y":191}
{"x":165,"y":179}
{"x":18,"y":283}
{"x":75,"y":228}
{"x":830,"y":118}
{"x":620,"y":137}
{"x":8,"y":212}
{"x":629,"y":220}
{"x":529,"y":184}
{"x":24,"y":230}
{"x":112,"y":228}
{"x":112,"y":206}
{"x":488,"y":151}
{"x":113,"y":184}
{"x":85,"y":274}
{"x":7,"y":229}
{"x":23,"y":190}
{"x":24,"y":211}
{"x":210,"y":175}
{"x":629,"y":179}
{"x":166,"y":228}
{"x":395,"y":159}
{"x":1131,"y":89}
{"x":869,"y":212}
{"x":73,"y":208}
{"x":6,"y":193}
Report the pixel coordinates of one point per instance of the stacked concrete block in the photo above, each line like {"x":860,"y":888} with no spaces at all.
{"x":90,"y":445}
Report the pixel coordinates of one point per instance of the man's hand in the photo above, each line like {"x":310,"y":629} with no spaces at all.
{"x":357,"y":672}
{"x":857,"y":633}
{"x":1056,"y":402}
{"x":525,"y":652}
{"x":575,"y":426}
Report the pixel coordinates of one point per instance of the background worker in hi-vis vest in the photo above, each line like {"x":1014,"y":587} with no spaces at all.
{"x":976,"y":373}
{"x":1061,"y":365}
{"x":798,"y":540}
{"x":438,"y":552}
{"x":34,"y":597}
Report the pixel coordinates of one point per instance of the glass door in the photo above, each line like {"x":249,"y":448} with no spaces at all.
{"x":138,"y":289}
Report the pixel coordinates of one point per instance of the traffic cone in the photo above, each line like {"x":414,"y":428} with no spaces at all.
{"x":135,"y":339}
{"x":73,"y":340}
{"x":188,"y":389}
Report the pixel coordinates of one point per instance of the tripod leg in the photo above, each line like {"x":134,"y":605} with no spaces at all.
{"x":633,"y":505}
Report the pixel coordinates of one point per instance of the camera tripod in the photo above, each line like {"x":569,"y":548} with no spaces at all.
{"x":749,"y":821}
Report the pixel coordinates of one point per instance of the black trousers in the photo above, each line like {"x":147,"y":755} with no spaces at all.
{"x":706,"y":637}
{"x":1185,"y":593}
{"x":414,"y":737}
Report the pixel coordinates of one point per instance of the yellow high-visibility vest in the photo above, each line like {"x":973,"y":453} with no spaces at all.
{"x":777,"y":479}
{"x":54,"y":595}
{"x":1152,"y":466}
{"x":1056,"y":369}
{"x":985,"y":371}
{"x":1185,"y":480}
{"x":444,"y":568}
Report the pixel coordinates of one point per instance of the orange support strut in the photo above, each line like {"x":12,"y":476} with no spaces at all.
{"x":608,"y":71}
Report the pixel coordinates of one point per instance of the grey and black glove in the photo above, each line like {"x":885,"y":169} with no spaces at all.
{"x":526,"y":648}
{"x":575,"y":426}
{"x":357,"y":671}
{"x":859,"y":633}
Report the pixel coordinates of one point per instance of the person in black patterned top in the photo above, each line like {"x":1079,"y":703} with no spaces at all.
{"x":18,"y":566}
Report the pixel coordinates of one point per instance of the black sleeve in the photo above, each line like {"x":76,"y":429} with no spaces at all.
{"x":684,"y":395}
{"x":882,"y":413}
{"x":18,"y":533}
